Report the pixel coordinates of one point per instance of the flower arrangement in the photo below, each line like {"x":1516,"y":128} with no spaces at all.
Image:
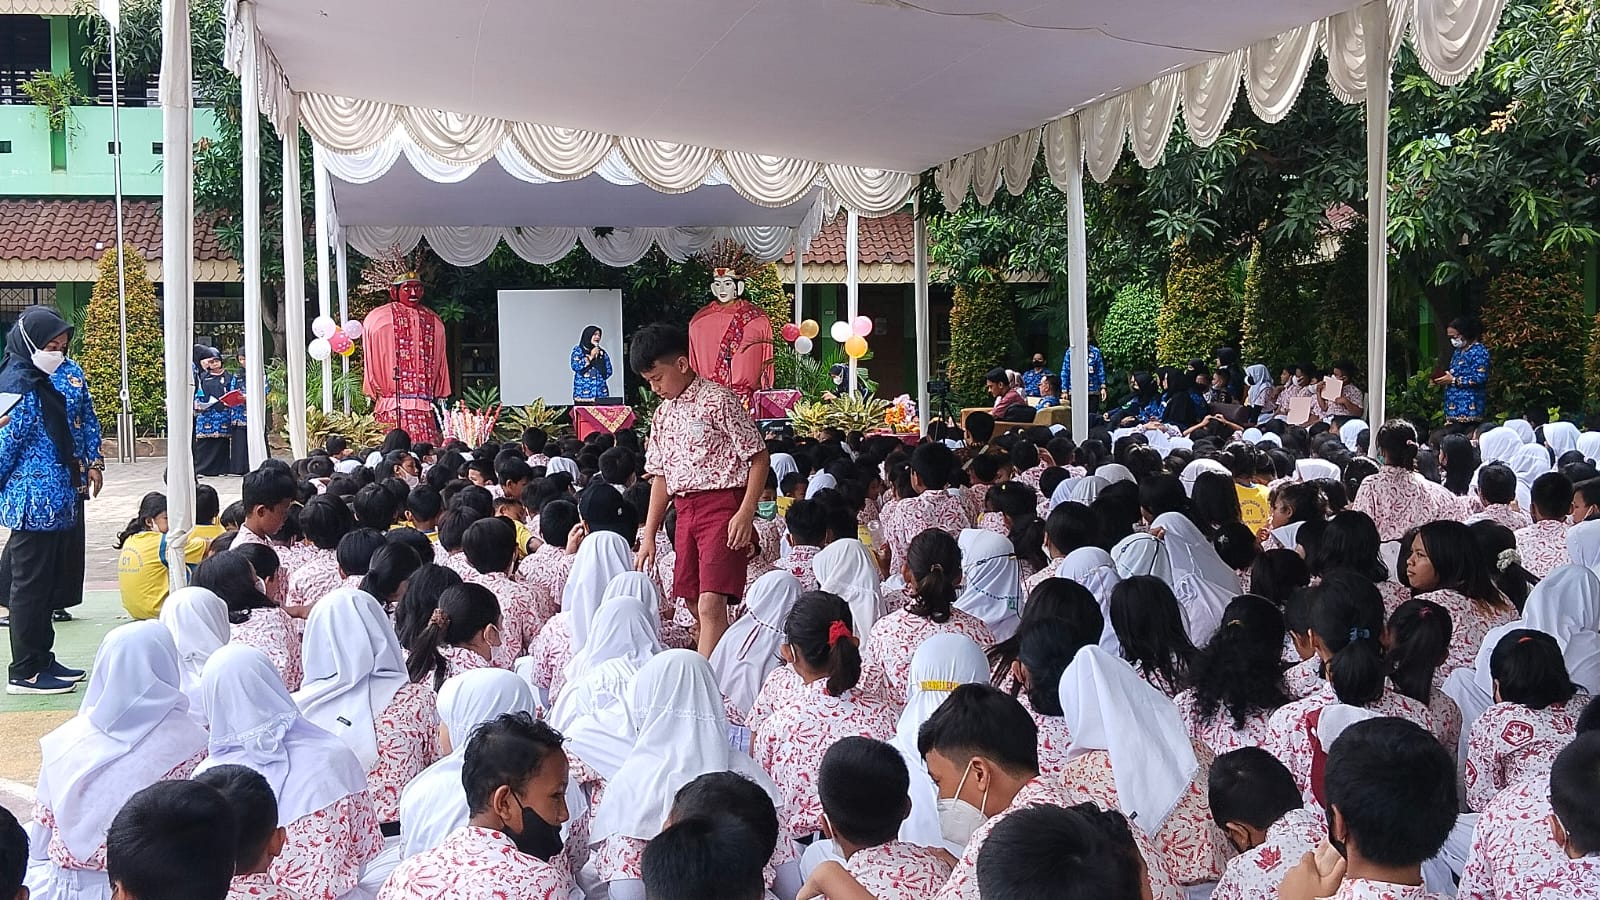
{"x":475,"y":427}
{"x":902,"y":415}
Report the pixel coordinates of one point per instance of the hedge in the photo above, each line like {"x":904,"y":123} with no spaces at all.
{"x":981,"y":329}
{"x":1341,"y":308}
{"x":1532,"y":319}
{"x":101,"y":357}
{"x":1128,"y":334}
{"x":1276,"y":310}
{"x":1200,"y":311}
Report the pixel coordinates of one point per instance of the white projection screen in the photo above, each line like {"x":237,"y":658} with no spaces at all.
{"x":538,"y":330}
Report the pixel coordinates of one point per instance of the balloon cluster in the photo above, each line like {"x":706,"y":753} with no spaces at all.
{"x":331,"y":338}
{"x":853,"y":335}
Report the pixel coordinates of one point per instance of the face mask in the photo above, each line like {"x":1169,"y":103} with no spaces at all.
{"x":46,"y":361}
{"x":958,"y":819}
{"x":410,"y":480}
{"x":1457,"y":343}
{"x":537,"y":838}
{"x":767,"y":509}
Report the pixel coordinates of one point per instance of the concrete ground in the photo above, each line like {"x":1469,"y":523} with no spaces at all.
{"x":23,"y":720}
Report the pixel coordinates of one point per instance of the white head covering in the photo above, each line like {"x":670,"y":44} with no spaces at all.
{"x":1202,"y":581}
{"x":353,"y":668}
{"x":1566,"y":606}
{"x":784,"y":465}
{"x":1271,"y":438}
{"x":1350,"y":434}
{"x":255,"y":724}
{"x":1087,"y":489}
{"x":993,"y":581}
{"x":1141,"y":554}
{"x":820,"y":482}
{"x":1529,"y":462}
{"x":940,"y":664}
{"x":1114,"y":472}
{"x":601,"y":557}
{"x":1196,"y":468}
{"x":748,"y":650}
{"x":847,"y":568}
{"x":562,"y":464}
{"x":1251,"y":436}
{"x":627,"y":624}
{"x":1561,"y":437}
{"x":1259,"y":380}
{"x":132,"y":728}
{"x":1589,"y":445}
{"x":1498,"y":445}
{"x":1109,"y":707}
{"x":1063,"y":492}
{"x":682,"y":733}
{"x":198,"y":622}
{"x":435,"y":802}
{"x":1094,"y":569}
{"x":1583,"y":545}
{"x":1313,"y":469}
{"x":1523,"y":429}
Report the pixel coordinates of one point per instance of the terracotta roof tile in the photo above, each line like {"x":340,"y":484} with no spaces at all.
{"x":69,"y":229}
{"x":888,"y":239}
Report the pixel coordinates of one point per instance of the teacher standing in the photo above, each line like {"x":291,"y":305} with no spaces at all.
{"x":591,"y":367}
{"x":41,"y":474}
{"x":1466,"y":382}
{"x":213,"y":417}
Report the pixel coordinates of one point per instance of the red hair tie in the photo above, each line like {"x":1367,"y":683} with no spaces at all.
{"x":837,"y":631}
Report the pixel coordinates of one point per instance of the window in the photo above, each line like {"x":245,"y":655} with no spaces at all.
{"x":218,"y":318}
{"x":24,"y":49}
{"x":14,"y":298}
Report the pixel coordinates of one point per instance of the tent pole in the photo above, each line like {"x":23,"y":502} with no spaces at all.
{"x":852,"y":260}
{"x":294,"y":288}
{"x":319,"y":189}
{"x":1375,"y":32}
{"x":342,"y":262}
{"x":799,"y":291}
{"x":924,"y":321}
{"x":255,"y":357}
{"x":177,"y":260}
{"x":1077,"y":285}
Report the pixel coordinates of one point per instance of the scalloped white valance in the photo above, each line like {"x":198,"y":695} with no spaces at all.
{"x":472,"y":244}
{"x":1449,"y":37}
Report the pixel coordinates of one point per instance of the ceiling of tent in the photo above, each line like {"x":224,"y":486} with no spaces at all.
{"x":887,"y":84}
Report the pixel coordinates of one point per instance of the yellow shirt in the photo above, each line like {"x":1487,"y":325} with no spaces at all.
{"x":207,"y":532}
{"x":1254,"y":508}
{"x":143,"y":577}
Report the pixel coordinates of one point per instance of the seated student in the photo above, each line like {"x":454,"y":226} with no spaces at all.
{"x":1391,"y":792}
{"x":1416,"y":640}
{"x":173,"y":840}
{"x":1236,"y":680}
{"x":602,"y":556}
{"x":933,"y":468}
{"x":354,"y":555}
{"x":1045,"y":648}
{"x":547,"y":566}
{"x":864,"y":787}
{"x":1497,"y":497}
{"x":142,"y":574}
{"x":462,"y":634}
{"x":422,"y":510}
{"x":512,"y":473}
{"x":453,"y":525}
{"x":932,"y":574}
{"x":325,"y":521}
{"x":807,"y":523}
{"x":1445,"y":566}
{"x":1574,"y":824}
{"x":534,"y":442}
{"x":232,"y":516}
{"x":735,"y":796}
{"x":254,"y":619}
{"x":1054,"y":853}
{"x":260,"y":837}
{"x":704,"y":858}
{"x":490,"y":546}
{"x":791,"y":488}
{"x":481,"y":473}
{"x":376,"y":508}
{"x":206,"y":505}
{"x":1256,"y":804}
{"x":1535,"y":714}
{"x":13,"y":857}
{"x":769,"y":525}
{"x":1542,"y":546}
{"x":515,"y":777}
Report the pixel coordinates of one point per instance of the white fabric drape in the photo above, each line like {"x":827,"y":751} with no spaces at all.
{"x":468,"y":245}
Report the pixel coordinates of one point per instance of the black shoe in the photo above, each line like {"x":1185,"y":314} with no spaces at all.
{"x":65,"y":673}
{"x":40,"y":684}
{"x":61,"y":615}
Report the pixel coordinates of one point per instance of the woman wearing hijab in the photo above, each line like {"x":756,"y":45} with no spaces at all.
{"x":603,"y":556}
{"x":357,"y":689}
{"x":1260,"y":392}
{"x":1144,"y":405}
{"x":213,"y":416}
{"x":591,"y":367}
{"x":41,"y":474}
{"x":1561,"y":437}
{"x":197,"y":619}
{"x":940,"y":664}
{"x":1131,"y":753}
{"x":992,"y":588}
{"x":626,"y":633}
{"x":332,"y":830}
{"x":132,"y":730}
{"x":846,"y":568}
{"x":682,"y":733}
{"x":1203,"y":583}
{"x":1185,"y":402}
{"x":748,"y":652}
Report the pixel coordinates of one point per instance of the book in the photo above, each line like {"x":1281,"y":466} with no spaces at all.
{"x":233,"y":398}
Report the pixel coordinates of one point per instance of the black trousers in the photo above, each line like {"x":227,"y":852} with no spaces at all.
{"x":68,"y":589}
{"x":38,"y":563}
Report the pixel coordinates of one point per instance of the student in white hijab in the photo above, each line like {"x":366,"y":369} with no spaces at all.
{"x":1141,"y":553}
{"x":846,"y":568}
{"x":132,"y":730}
{"x":353,"y":668}
{"x":1258,"y":385}
{"x":1195,"y":469}
{"x":784,"y":465}
{"x":1561,"y":437}
{"x":435,"y":803}
{"x":1114,"y":472}
{"x":992,"y":581}
{"x":1202,"y":581}
{"x":563,"y":464}
{"x":1087,"y":489}
{"x":941,"y":664}
{"x":1589,"y":445}
{"x":1529,"y":462}
{"x":603,"y":556}
{"x":820,"y":482}
{"x":1313,"y":469}
{"x":681,"y":733}
{"x":1094,"y":569}
{"x":1523,"y":429}
{"x":255,"y":724}
{"x":198,"y":622}
{"x":1350,"y":434}
{"x":625,"y":634}
{"x":749,"y":649}
{"x":1499,"y":445}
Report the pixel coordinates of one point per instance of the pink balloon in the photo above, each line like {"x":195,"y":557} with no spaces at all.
{"x":790,"y":331}
{"x":339,"y":342}
{"x":862,"y":326}
{"x":353,"y":329}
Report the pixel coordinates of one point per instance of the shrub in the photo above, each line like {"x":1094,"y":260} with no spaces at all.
{"x":101,"y":356}
{"x":1128,"y":334}
{"x":1341,"y":309}
{"x":1275,"y":310}
{"x":980,"y":336}
{"x":1200,"y":312}
{"x":763,"y":288}
{"x":1531,"y":318}
{"x":1592,"y":369}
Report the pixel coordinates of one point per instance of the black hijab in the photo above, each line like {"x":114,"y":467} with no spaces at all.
{"x":18,"y":375}
{"x":588,"y":335}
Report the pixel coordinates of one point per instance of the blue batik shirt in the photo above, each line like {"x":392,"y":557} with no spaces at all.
{"x":1467,"y":396}
{"x":1031,"y":380}
{"x":589,"y":381}
{"x":1097,"y":371}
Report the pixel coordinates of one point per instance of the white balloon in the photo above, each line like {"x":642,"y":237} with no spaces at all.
{"x":841,"y":331}
{"x":319,"y":349}
{"x":353,"y":329}
{"x":323,"y":326}
{"x":802,"y":345}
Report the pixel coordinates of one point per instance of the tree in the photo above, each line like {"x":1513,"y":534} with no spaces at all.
{"x":101,"y":355}
{"x":980,"y":334}
{"x":1199,"y":312}
{"x":1274,"y":322}
{"x":1532,"y":323}
{"x":1128,"y":336}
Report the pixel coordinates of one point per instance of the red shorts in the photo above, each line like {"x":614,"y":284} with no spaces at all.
{"x":705,"y":564}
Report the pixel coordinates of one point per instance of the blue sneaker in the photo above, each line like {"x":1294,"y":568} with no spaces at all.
{"x":57,"y":670}
{"x":40,"y":684}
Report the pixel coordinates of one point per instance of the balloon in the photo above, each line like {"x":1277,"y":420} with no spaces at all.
{"x":353,"y":329}
{"x":340,"y":342}
{"x":802,"y":345}
{"x":856,"y":346}
{"x":319,"y":349}
{"x":790,"y":331}
{"x":840,"y":331}
{"x":810,"y":329}
{"x":323,"y":327}
{"x":862,"y":326}
{"x":349,"y":349}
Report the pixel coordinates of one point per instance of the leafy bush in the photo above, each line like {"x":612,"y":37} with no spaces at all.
{"x":1200,"y":311}
{"x":362,"y":430}
{"x":1416,"y":399}
{"x":1275,"y":311}
{"x":845,"y":413}
{"x":1128,"y":335}
{"x":100,"y":354}
{"x":1531,"y":320}
{"x":980,"y":335}
{"x":514,"y":420}
{"x":1592,"y":369}
{"x":278,"y":391}
{"x":1341,"y":311}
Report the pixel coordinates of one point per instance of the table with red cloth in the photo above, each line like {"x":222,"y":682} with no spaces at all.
{"x":589,"y":419}
{"x":775,"y":404}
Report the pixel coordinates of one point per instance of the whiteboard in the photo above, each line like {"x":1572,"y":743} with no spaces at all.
{"x":538,"y":330}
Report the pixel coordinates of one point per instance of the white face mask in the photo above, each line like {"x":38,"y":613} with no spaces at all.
{"x":1457,"y":343}
{"x":46,"y":361}
{"x":958,"y":819}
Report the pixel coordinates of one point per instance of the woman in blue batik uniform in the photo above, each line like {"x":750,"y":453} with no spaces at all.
{"x":591,"y":367}
{"x":1466,"y":384}
{"x":213,"y":419}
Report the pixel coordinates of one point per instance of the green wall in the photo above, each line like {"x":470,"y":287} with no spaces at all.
{"x":30,"y":171}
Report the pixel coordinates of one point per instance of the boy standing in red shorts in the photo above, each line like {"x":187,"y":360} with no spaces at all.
{"x":705,"y":456}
